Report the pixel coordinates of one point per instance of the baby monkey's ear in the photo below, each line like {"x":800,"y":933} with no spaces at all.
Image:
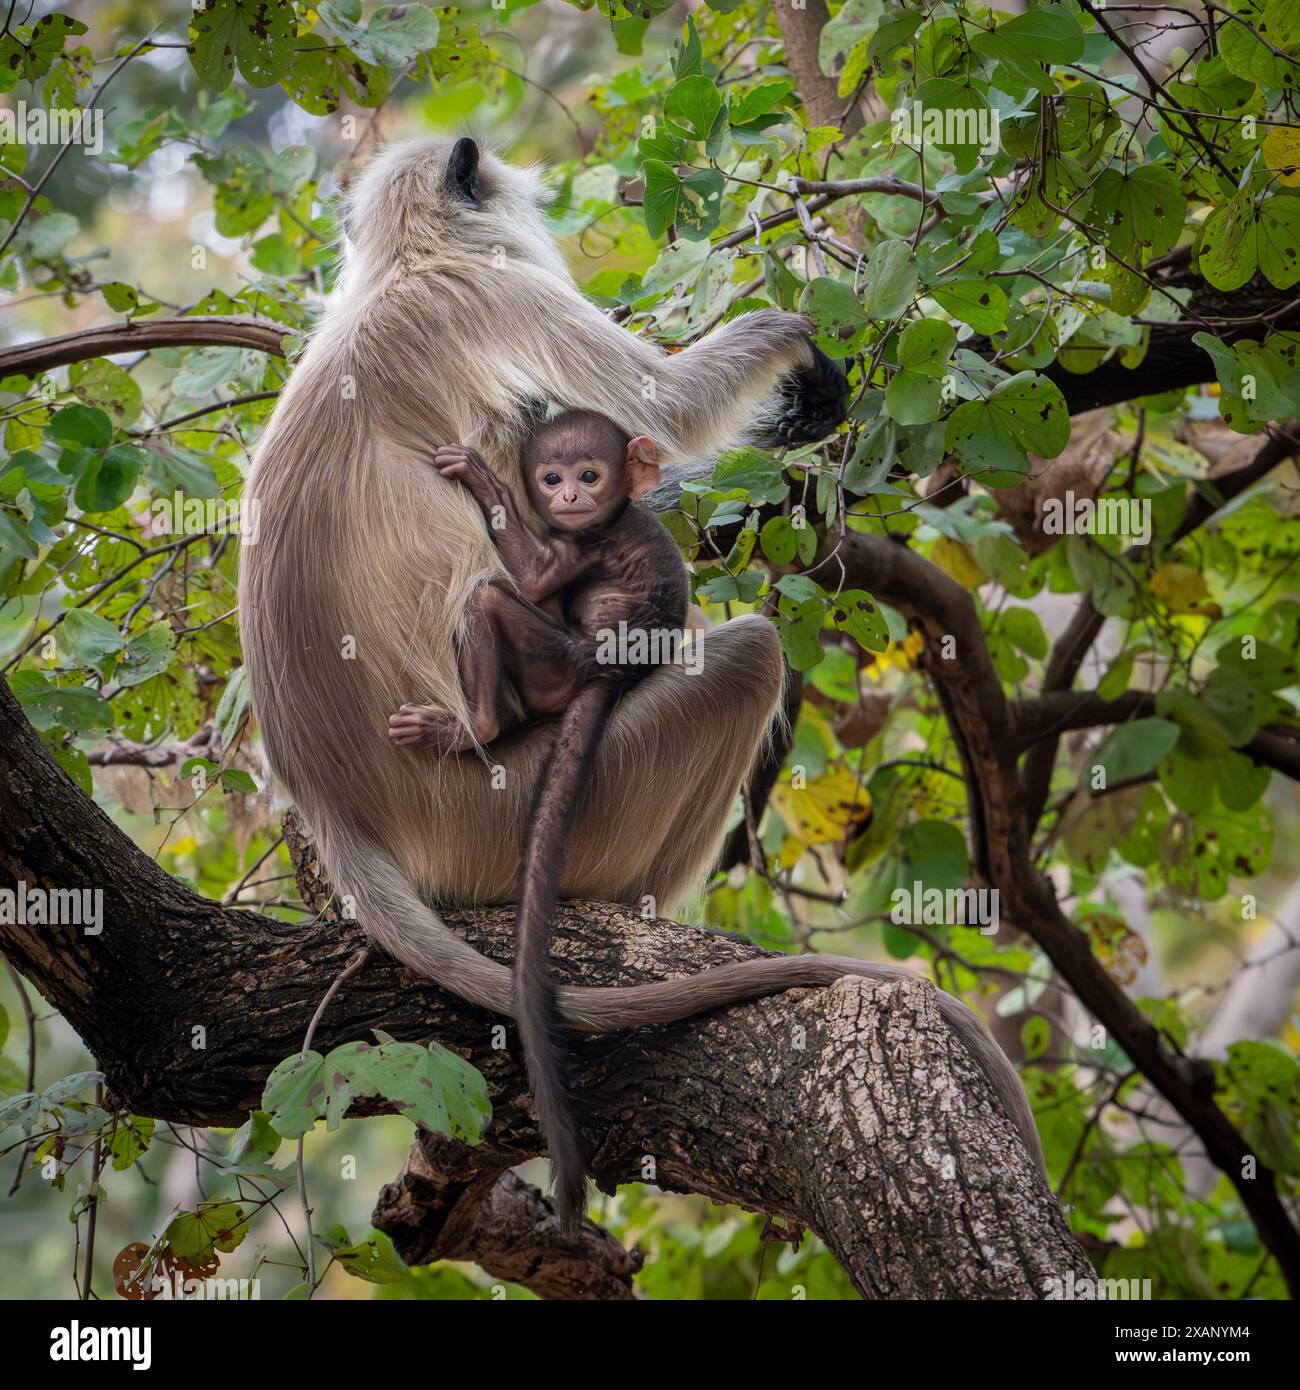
{"x":642,"y":467}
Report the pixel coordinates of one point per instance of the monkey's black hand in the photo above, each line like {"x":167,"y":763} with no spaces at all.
{"x":816,"y":400}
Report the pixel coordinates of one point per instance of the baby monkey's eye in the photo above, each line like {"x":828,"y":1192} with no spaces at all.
{"x":552,"y":479}
{"x":589,"y":476}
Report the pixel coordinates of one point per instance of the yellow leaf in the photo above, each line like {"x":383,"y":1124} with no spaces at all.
{"x":933,"y":794}
{"x":1282,"y":154}
{"x":901,"y":654}
{"x":957,"y":562}
{"x":1182,"y":590}
{"x":821,"y":812}
{"x":791,"y":852}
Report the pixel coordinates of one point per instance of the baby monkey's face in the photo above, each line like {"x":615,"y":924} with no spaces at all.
{"x":579,"y":488}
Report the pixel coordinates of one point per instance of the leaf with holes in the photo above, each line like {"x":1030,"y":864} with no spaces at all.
{"x":1026,"y":413}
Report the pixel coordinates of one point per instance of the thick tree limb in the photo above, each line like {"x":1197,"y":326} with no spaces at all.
{"x":978,"y":715}
{"x":801,"y":33}
{"x":199,"y":330}
{"x":1060,"y":711}
{"x":852,"y":1110}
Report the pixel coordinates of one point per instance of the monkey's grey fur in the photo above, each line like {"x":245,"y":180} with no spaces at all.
{"x":454,"y":316}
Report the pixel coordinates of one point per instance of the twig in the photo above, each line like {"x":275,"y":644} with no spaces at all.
{"x":351,"y":968}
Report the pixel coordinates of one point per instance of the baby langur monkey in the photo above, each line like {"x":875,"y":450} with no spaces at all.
{"x":613,"y":569}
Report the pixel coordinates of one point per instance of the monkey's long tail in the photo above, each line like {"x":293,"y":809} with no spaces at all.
{"x":562,"y":788}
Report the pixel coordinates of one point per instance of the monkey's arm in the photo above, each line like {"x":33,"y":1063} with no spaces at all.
{"x":540,"y":568}
{"x":760,"y":366}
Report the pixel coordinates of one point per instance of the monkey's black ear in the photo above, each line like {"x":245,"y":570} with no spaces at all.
{"x":462,"y":171}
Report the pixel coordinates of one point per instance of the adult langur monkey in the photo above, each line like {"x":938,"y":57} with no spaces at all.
{"x":455,"y":316}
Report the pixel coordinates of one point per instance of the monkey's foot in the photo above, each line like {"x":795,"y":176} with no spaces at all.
{"x":415,"y":726}
{"x":816,"y":401}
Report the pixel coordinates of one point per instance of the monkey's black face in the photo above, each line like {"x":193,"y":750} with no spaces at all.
{"x":463,"y":178}
{"x":577,"y":492}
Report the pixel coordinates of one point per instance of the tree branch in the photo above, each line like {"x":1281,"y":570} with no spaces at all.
{"x":852,"y":1110}
{"x":454,"y":1202}
{"x":1076,"y":641}
{"x":199,"y":330}
{"x":801,"y":34}
{"x":972,"y":698}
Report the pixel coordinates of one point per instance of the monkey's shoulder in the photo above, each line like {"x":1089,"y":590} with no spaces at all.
{"x":640,"y":527}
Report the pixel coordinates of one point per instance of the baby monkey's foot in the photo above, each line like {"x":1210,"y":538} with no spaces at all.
{"x":422,"y":726}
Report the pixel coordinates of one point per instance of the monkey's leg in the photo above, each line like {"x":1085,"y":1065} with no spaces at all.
{"x":540,"y":657}
{"x":482,"y":658}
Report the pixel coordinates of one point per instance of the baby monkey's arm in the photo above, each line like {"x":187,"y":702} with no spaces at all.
{"x":539,"y":568}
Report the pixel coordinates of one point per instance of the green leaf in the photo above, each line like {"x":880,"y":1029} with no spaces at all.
{"x":323,"y":75}
{"x":147,"y":653}
{"x":913,"y":397}
{"x":1142,"y":208}
{"x":1130,"y":750}
{"x":767,"y":97}
{"x":233,"y":703}
{"x":172,"y":467}
{"x":430,"y":1086}
{"x":779,"y":540}
{"x":1277,"y":240}
{"x":256,"y":1140}
{"x":891,"y":279}
{"x":853,"y":24}
{"x":799,"y":627}
{"x":106,"y":386}
{"x":92,"y":639}
{"x":130,"y":1140}
{"x":1024,"y":413}
{"x":854,"y":611}
{"x":837,"y":313}
{"x":256,"y":34}
{"x":699,"y":205}
{"x":1263,"y":44}
{"x":373,"y":1260}
{"x":693,"y":108}
{"x":80,"y":424}
{"x":109,"y":479}
{"x":1023,"y":628}
{"x":394,"y":35}
{"x":14,"y":536}
{"x":194,"y":1235}
{"x":934,"y":854}
{"x":1241,"y":780}
{"x":1037,"y":36}
{"x":75,"y":707}
{"x":120,"y":297}
{"x":925,"y":346}
{"x":45,"y":239}
{"x":980,"y":303}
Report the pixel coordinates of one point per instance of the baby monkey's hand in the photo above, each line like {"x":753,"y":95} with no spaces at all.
{"x":460,"y":462}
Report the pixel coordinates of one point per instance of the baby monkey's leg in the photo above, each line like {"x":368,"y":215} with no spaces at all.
{"x":545,"y":662}
{"x":514,"y":663}
{"x":493,"y":705}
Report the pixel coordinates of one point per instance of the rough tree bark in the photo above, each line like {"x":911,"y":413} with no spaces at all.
{"x":852,"y":1111}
